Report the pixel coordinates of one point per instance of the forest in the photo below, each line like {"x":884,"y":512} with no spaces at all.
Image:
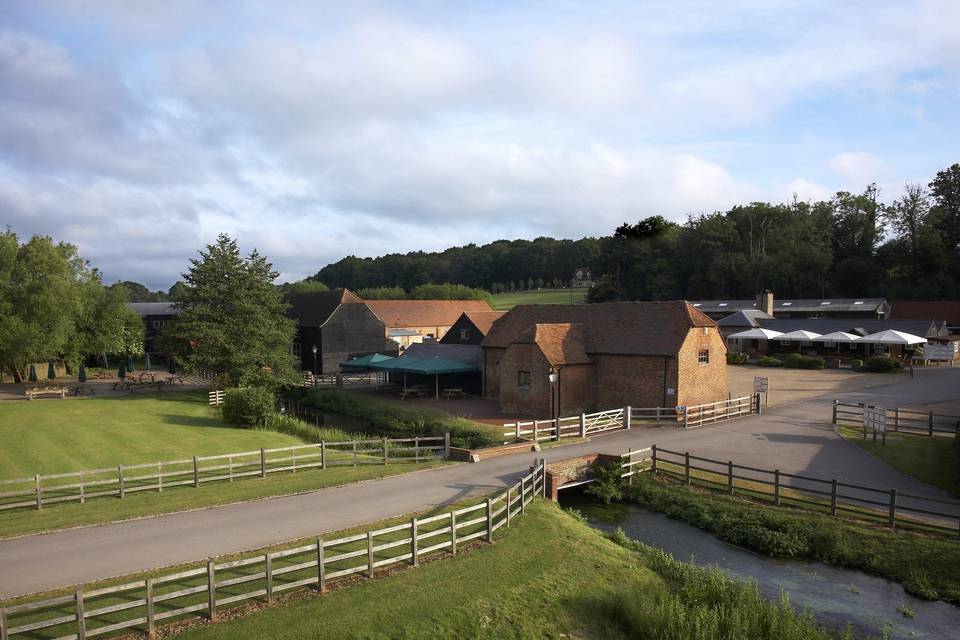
{"x":854,"y":244}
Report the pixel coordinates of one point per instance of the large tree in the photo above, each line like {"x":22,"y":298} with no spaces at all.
{"x":233,"y":320}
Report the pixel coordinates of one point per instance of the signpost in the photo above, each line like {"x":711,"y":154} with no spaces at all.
{"x":875,"y":419}
{"x":762,"y":385}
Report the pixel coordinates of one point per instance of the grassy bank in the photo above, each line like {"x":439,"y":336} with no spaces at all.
{"x":926,"y":566}
{"x":405,"y":422}
{"x":549,"y":575}
{"x":934,"y":460}
{"x":506,"y":301}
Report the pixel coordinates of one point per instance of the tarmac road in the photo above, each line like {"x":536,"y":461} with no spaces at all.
{"x":796,"y":438}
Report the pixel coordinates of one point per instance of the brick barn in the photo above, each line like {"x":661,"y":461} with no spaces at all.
{"x":411,"y":321}
{"x":471,"y":327}
{"x":643,"y":354}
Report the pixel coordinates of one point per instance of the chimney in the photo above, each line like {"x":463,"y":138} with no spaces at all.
{"x":765,"y":301}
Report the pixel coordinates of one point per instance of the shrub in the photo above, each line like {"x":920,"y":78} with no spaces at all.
{"x":282,"y":423}
{"x":857,"y":364}
{"x":793,"y":361}
{"x":608,"y":484}
{"x":798,"y":361}
{"x":736,"y":358}
{"x":882,"y":364}
{"x":769,"y":361}
{"x":248,"y":406}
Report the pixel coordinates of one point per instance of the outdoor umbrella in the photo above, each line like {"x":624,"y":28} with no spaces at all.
{"x":800,"y":335}
{"x":32,"y":376}
{"x":122,"y":372}
{"x":173,"y":365}
{"x":129,"y":363}
{"x":146,"y":361}
{"x":891,"y":336}
{"x":104,"y":361}
{"x":82,"y":374}
{"x":51,"y":371}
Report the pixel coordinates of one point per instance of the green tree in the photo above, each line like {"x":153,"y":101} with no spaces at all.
{"x":303,"y":286}
{"x":233,"y":319}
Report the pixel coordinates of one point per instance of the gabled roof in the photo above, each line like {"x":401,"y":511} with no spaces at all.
{"x":482,"y":320}
{"x":800,"y":335}
{"x":891,"y":336}
{"x":744,"y":318}
{"x":561,"y":344}
{"x":948,"y":310}
{"x":756,"y":334}
{"x":628,"y":328}
{"x":859,"y":326}
{"x":154,"y":308}
{"x":423,"y":313}
{"x":313,"y":309}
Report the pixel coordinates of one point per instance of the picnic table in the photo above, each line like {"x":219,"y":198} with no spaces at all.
{"x":453,"y":393}
{"x":413,"y":392}
{"x":80,"y":389}
{"x":104,"y":375}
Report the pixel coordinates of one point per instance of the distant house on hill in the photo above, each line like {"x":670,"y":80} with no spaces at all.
{"x":582,"y":277}
{"x":339,"y":324}
{"x":876,"y":308}
{"x":410,"y":321}
{"x":471,"y":327}
{"x":643,"y":354}
{"x":156,"y":316}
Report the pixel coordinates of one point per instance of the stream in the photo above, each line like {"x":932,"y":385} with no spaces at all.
{"x":836,"y":596}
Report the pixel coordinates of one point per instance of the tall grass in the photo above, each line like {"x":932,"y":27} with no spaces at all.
{"x":305,"y":431}
{"x":705,"y":604}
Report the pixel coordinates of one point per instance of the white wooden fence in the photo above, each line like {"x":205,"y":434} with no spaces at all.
{"x":39,"y":490}
{"x":587,"y":424}
{"x":215,"y":398}
{"x":207,"y":591}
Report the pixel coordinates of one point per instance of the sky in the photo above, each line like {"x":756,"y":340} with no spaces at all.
{"x":310,"y":131}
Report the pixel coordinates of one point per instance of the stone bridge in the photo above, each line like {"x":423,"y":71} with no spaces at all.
{"x":573,"y":472}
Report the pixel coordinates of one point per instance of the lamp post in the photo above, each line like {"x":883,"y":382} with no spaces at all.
{"x":553,"y":380}
{"x":314,"y":349}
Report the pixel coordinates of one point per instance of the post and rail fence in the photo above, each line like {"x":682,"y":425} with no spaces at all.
{"x":899,"y":419}
{"x":39,"y":490}
{"x":587,"y":424}
{"x":890,"y":507}
{"x":207,"y":591}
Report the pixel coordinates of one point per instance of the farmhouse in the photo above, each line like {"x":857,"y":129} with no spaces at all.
{"x":559,"y":359}
{"x":338,"y":324}
{"x":471,"y":327}
{"x":410,"y":321}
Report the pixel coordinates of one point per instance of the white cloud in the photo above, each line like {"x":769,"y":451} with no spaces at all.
{"x":859,"y":168}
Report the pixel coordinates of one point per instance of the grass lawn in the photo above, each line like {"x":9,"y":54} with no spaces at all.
{"x":506,"y":301}
{"x":54,"y":436}
{"x":934,"y":460}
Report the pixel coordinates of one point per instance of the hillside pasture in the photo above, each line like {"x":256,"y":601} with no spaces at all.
{"x":506,"y":301}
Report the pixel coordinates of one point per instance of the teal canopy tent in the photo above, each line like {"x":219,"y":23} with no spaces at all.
{"x":433,"y":366}
{"x":366,"y":362}
{"x":82,"y":374}
{"x":146,"y":361}
{"x":122,"y":371}
{"x":129,"y":363}
{"x":51,"y":371}
{"x":32,"y":375}
{"x":173,"y":365}
{"x":104,"y":361}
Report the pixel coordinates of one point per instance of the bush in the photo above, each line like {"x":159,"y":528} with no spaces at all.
{"x":282,"y":423}
{"x":248,"y":406}
{"x":769,"y":361}
{"x":608,"y":484}
{"x":736,"y":358}
{"x":882,"y":364}
{"x":856,"y":363}
{"x":404,"y":422}
{"x":798,"y":361}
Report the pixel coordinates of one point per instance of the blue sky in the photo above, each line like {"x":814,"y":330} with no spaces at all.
{"x":139,"y":131}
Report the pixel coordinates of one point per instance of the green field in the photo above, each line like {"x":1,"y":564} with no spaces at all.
{"x":934,"y":460}
{"x":53,"y":436}
{"x":506,"y":301}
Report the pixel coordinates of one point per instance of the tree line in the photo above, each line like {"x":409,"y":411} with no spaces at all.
{"x":853,"y":244}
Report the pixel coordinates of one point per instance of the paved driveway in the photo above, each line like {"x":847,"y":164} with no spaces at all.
{"x":795,"y":438}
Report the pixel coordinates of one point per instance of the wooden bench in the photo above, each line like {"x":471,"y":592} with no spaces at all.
{"x":81,"y":389}
{"x":41,"y":391}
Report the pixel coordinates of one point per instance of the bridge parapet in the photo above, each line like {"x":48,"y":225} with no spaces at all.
{"x":570,"y":472}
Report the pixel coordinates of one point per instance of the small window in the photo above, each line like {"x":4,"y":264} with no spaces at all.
{"x":722,"y":304}
{"x":824,"y":303}
{"x":786,"y":304}
{"x":523,"y":379}
{"x":703,"y":357}
{"x":464,"y":334}
{"x":156,"y":324}
{"x":295,"y":349}
{"x":858,"y":302}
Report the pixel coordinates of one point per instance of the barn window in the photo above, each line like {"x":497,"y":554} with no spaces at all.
{"x":464,"y":334}
{"x":295,"y":349}
{"x":523,"y":378}
{"x":704,"y":356}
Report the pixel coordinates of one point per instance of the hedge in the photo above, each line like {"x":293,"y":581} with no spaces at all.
{"x":248,"y":406}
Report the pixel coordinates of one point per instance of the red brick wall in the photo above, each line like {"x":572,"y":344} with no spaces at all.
{"x":533,"y":400}
{"x":491,"y":372}
{"x":702,"y":383}
{"x":637,"y":381}
{"x":576,"y":395}
{"x":560,"y":472}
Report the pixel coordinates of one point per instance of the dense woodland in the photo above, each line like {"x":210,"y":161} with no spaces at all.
{"x":855,"y":244}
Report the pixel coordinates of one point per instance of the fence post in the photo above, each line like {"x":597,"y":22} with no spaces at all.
{"x":122,"y":483}
{"x":354,"y":453}
{"x":626,"y":417}
{"x":321,"y":567}
{"x":523,"y":493}
{"x":583,"y":425}
{"x":81,"y":618}
{"x":263,"y":463}
{"x":930,"y":423}
{"x":36,"y":480}
{"x":896,"y":418}
{"x":730,"y":477}
{"x":151,"y":611}
{"x":653,"y":458}
{"x":630,"y":468}
{"x":453,"y":532}
{"x":446,"y":445}
{"x":836,"y":404}
{"x":413,"y":542}
{"x":385,"y":443}
{"x":370,"y":553}
{"x":833,"y":497}
{"x":211,"y":591}
{"x":489,"y":520}
{"x":776,"y":487}
{"x":892,"y":516}
{"x":509,"y":499}
{"x":416,"y":449}
{"x":517,"y":424}
{"x":3,"y":624}
{"x":686,"y":468}
{"x":159,"y":477}
{"x":323,"y":454}
{"x":536,"y":430}
{"x":684,"y":417}
{"x":268,"y":561}
{"x":83,"y":497}
{"x":196,"y":472}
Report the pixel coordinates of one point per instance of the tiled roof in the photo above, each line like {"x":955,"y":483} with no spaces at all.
{"x":744,"y":318}
{"x":423,"y":313}
{"x":560,"y":343}
{"x":805,"y":305}
{"x":483,"y":320}
{"x":315,"y":308}
{"x":630,"y":328}
{"x":948,"y":310}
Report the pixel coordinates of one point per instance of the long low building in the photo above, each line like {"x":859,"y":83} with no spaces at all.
{"x":544,"y":360}
{"x":411,"y":321}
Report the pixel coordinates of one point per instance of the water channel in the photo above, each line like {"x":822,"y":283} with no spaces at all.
{"x":835,"y":595}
